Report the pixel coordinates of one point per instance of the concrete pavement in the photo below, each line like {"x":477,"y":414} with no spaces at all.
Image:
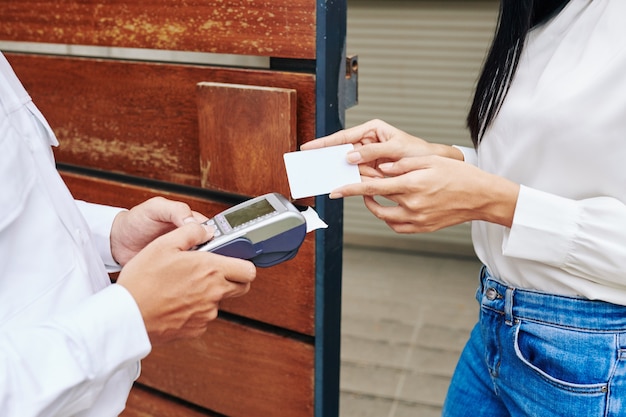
{"x":405,"y":319}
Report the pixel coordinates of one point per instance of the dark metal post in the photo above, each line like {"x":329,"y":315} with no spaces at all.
{"x":330,"y":73}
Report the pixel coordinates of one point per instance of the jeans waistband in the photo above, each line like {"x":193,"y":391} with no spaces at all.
{"x":577,"y":313}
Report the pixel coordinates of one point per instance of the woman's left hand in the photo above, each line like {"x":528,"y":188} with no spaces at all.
{"x":433,"y":192}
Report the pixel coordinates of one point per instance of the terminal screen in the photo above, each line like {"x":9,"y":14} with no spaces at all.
{"x":249,"y":212}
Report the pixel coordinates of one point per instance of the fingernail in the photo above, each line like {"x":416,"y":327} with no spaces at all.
{"x":335,"y":195}
{"x":354,"y":157}
{"x":385,"y":166}
{"x":189,"y":219}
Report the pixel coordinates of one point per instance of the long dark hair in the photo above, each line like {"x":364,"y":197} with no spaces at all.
{"x":515,"y":19}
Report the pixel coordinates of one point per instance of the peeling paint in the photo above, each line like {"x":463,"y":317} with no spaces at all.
{"x":209,"y":24}
{"x":205,"y":167}
{"x":152,"y":154}
{"x":211,"y":27}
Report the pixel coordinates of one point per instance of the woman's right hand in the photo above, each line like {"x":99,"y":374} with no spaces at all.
{"x":377,"y":142}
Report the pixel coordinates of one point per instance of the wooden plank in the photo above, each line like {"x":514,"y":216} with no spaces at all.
{"x":246,"y":27}
{"x":143,"y":402}
{"x":236,"y":371}
{"x":245,"y":126}
{"x":282,"y":295}
{"x":138,"y":118}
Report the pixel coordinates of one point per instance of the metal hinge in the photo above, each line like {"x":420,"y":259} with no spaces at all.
{"x":351,"y":97}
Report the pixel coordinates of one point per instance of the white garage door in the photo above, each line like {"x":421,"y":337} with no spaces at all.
{"x":418,"y":64}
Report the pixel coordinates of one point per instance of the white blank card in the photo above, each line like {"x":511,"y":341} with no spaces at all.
{"x":319,"y":171}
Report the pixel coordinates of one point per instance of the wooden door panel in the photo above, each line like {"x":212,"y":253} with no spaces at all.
{"x":245,"y":27}
{"x":250,"y":127}
{"x":144,"y":402}
{"x":237,"y":371}
{"x":141,"y":119}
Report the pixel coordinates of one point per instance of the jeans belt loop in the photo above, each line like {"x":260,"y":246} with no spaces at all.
{"x":508,"y":306}
{"x":482,"y":277}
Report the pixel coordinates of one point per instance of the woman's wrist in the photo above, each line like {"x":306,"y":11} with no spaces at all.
{"x":447,"y":151}
{"x":502,"y":198}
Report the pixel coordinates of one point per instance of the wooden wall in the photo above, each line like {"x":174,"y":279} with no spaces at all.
{"x":211,"y":136}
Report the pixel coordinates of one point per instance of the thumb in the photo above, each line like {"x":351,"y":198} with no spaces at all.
{"x":186,"y":237}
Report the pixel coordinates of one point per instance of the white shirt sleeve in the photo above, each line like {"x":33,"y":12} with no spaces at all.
{"x":70,"y":341}
{"x":65,"y":361}
{"x":100,"y":219}
{"x":584,"y":238}
{"x":469,"y":154}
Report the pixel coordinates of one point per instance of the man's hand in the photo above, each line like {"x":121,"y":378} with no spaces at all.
{"x":132,"y":230}
{"x":178,"y":291}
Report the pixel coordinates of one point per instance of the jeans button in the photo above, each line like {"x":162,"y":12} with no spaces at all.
{"x":491,"y":294}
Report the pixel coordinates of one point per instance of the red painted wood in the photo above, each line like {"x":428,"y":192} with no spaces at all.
{"x":247,"y":27}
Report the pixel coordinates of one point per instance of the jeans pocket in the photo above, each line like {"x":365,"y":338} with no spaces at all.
{"x":571,"y":359}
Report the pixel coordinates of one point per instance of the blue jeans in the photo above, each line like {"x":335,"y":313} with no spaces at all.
{"x":540,"y":355}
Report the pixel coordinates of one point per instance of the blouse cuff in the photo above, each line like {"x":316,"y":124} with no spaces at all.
{"x":469,"y":154}
{"x":544,"y":227}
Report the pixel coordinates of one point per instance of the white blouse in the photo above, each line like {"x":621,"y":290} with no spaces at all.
{"x":561,"y":134}
{"x":70,"y":342}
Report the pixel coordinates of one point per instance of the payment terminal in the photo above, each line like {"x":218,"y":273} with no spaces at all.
{"x":266,"y":230}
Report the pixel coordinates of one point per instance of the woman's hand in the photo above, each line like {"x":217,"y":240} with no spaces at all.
{"x":377,"y":142}
{"x":432,"y":192}
{"x":429,"y":183}
{"x":383,"y":140}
